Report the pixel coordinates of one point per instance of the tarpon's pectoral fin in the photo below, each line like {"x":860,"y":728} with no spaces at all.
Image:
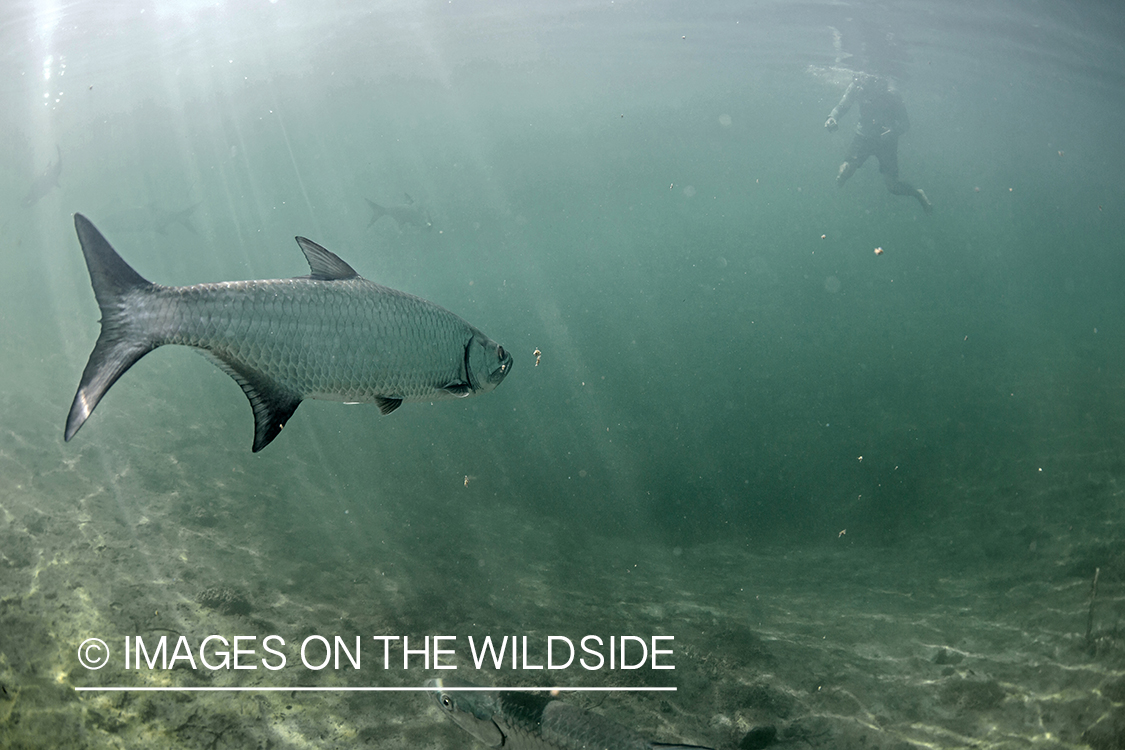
{"x":387,"y":405}
{"x":324,"y":264}
{"x":460,"y":390}
{"x":272,"y":405}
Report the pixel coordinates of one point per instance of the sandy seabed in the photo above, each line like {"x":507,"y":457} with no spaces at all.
{"x":842,"y":644}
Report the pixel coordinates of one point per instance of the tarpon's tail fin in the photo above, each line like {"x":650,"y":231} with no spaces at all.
{"x":117,"y":347}
{"x":377,"y":211}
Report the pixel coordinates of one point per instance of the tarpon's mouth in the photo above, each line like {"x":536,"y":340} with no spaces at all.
{"x":505,"y":366}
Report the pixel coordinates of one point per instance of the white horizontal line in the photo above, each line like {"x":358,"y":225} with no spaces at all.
{"x":373,"y":689}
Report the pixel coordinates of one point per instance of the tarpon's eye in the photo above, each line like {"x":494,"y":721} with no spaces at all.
{"x":446,"y":702}
{"x":501,"y":353}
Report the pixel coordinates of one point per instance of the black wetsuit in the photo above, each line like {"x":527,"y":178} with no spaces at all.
{"x":882,"y":119}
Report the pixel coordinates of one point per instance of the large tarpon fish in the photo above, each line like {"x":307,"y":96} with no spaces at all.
{"x":404,"y":214}
{"x":45,"y":182}
{"x":532,"y":721}
{"x":329,"y":335}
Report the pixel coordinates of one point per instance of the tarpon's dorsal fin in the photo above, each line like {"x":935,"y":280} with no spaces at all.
{"x":387,"y":405}
{"x":324,"y":264}
{"x":273,"y":406}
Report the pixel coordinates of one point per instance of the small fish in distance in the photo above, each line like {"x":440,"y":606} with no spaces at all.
{"x":532,"y":721}
{"x":149,"y":218}
{"x":45,"y":182}
{"x":330,"y":335}
{"x":404,"y":214}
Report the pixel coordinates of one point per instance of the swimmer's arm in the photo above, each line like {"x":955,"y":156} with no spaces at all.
{"x":842,"y":108}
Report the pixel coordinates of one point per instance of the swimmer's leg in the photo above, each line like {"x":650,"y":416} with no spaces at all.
{"x":858,"y":152}
{"x":897,"y":187}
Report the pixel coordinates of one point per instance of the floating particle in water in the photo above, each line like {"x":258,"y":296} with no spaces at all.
{"x":725,"y":120}
{"x":831,"y":285}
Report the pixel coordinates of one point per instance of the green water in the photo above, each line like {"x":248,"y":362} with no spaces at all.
{"x":865,"y":493}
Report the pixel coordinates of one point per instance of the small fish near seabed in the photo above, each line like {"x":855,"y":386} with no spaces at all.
{"x":533,"y":721}
{"x":330,"y":335}
{"x":45,"y":182}
{"x":404,"y":214}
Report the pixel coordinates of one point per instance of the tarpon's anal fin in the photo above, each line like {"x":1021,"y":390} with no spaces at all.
{"x":325,"y":265}
{"x":458,"y":389}
{"x":272,"y":405}
{"x":387,"y":405}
